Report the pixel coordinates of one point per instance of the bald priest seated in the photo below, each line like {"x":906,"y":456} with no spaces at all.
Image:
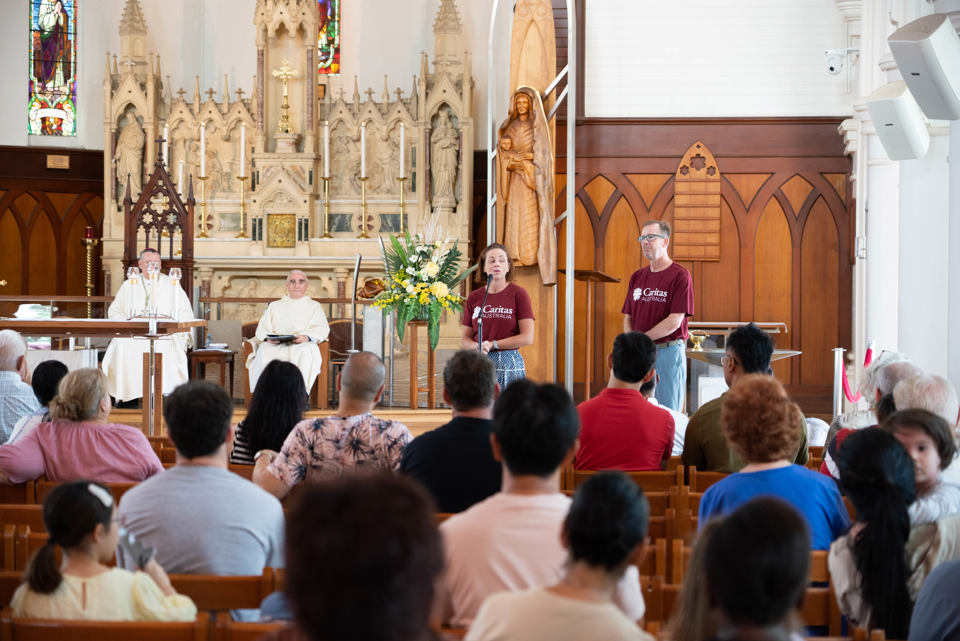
{"x":290,"y":330}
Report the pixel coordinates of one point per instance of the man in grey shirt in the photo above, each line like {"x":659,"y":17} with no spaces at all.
{"x":200,"y":517}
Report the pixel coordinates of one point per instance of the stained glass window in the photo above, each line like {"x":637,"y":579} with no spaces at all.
{"x":328,"y":42}
{"x":52,"y":108}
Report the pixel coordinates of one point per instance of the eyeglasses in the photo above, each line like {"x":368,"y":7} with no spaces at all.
{"x":726,"y":358}
{"x":649,"y":238}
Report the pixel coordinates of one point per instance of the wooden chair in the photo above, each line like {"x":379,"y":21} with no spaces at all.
{"x":820,"y":607}
{"x":648,"y":481}
{"x":319,"y":395}
{"x":44,"y":487}
{"x":815,"y":451}
{"x":8,"y":549}
{"x":28,"y":541}
{"x":19,"y":493}
{"x":10,"y":580}
{"x":12,"y":629}
{"x":659,"y":597}
{"x":215,"y":592}
{"x":168,"y":455}
{"x":229,"y":630}
{"x":655,"y":561}
{"x":700,"y":481}
{"x":31,"y":515}
{"x":246,"y":471}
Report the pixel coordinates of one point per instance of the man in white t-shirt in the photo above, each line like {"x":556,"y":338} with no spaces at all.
{"x":680,"y":419}
{"x":511,"y":541}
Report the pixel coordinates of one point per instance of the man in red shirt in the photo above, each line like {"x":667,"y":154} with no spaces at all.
{"x":619,"y":428}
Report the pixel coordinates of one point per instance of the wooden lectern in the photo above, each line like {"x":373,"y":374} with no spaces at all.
{"x":590,"y":277}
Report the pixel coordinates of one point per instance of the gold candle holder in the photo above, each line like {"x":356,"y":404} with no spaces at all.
{"x":363,"y":207}
{"x":203,"y":207}
{"x":401,"y":179}
{"x":89,"y":244}
{"x":326,"y":207}
{"x":243,"y":233}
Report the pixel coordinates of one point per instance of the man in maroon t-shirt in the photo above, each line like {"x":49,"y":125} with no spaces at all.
{"x":619,"y":428}
{"x":659,"y":300}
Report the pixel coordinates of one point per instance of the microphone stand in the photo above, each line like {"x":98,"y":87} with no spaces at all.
{"x":480,"y":316}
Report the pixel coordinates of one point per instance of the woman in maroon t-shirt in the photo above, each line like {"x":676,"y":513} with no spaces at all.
{"x":507,"y":317}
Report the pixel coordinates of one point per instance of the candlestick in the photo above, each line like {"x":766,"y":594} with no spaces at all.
{"x":243,"y":152}
{"x":326,"y":207}
{"x":326,"y":149}
{"x":242,"y":233}
{"x":402,"y":157}
{"x":166,"y":146}
{"x":363,"y":151}
{"x":203,"y":207}
{"x":401,"y":179}
{"x":363,"y":207}
{"x":203,"y":150}
{"x":89,"y":242}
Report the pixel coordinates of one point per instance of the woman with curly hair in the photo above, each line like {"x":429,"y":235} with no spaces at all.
{"x":759,"y":421}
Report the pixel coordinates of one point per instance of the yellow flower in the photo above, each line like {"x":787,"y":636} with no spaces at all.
{"x":440,"y":290}
{"x":431,"y":269}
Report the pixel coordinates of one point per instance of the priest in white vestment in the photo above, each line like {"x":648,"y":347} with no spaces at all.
{"x":123,"y":361}
{"x":302,"y":323}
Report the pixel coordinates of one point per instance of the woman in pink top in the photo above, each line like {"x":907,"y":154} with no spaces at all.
{"x":79,"y":442}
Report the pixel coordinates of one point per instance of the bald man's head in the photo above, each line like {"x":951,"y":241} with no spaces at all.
{"x":362,"y":377}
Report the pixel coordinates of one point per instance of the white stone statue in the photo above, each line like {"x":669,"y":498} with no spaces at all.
{"x":129,"y":158}
{"x":444,"y":148}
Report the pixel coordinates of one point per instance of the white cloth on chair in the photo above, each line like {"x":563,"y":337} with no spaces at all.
{"x":290,"y":316}
{"x":123,"y":361}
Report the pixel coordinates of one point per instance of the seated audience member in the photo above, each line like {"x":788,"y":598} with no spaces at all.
{"x":760,"y":422}
{"x":16,"y":397}
{"x":81,"y":519}
{"x":936,"y":394}
{"x":936,"y":616}
{"x":123,"y":360}
{"x":879,"y":379}
{"x":604,"y":533}
{"x":276,"y":405}
{"x":353,"y":438}
{"x":455,"y":461}
{"x":79,"y":442}
{"x":693,"y":617}
{"x":868,"y":565}
{"x":680,"y":419}
{"x":297,"y":315}
{"x":364,"y":554}
{"x":199,"y":517}
{"x":817,"y":429}
{"x":929,"y":442}
{"x":748,"y":351}
{"x":757,"y":564}
{"x":45,"y":382}
{"x":619,"y":428}
{"x":511,"y":541}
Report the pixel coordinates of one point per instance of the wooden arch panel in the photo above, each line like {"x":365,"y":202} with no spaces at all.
{"x":696,"y":208}
{"x":42,"y":274}
{"x":819,"y":295}
{"x":773,"y":276}
{"x":717,"y":283}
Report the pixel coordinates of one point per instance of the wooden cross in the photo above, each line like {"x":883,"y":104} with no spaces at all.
{"x":210,"y":93}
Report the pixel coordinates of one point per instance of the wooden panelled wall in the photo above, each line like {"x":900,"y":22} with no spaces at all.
{"x":43,"y":212}
{"x":786,"y":232}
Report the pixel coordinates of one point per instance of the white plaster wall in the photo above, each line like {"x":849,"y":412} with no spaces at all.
{"x":924,"y":257}
{"x":703,"y":58}
{"x":953,"y":265}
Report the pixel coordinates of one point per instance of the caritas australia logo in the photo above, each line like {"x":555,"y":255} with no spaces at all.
{"x":649,"y":294}
{"x":494,"y":311}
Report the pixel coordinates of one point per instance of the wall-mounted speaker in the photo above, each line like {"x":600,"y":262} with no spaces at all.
{"x":899,"y":122}
{"x":927,"y":52}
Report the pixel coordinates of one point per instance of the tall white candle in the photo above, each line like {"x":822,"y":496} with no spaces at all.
{"x":363,"y":150}
{"x":243,"y":149}
{"x":203,"y":149}
{"x":180,"y":176}
{"x":326,"y":149}
{"x":166,"y":146}
{"x":403,"y":151}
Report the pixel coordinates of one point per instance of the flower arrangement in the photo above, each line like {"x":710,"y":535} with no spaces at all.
{"x":421,"y":277}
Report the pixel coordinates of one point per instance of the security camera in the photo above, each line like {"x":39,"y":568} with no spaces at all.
{"x":834,"y":61}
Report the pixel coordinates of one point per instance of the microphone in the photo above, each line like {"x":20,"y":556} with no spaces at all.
{"x":480,"y":316}
{"x":489,"y":280}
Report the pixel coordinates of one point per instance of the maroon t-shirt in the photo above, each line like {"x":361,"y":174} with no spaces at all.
{"x":652,"y":296}
{"x":502,"y":313}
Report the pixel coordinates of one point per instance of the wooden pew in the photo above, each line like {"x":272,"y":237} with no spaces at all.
{"x":19,"y":494}
{"x":10,"y":580}
{"x":213,"y":592}
{"x":700,"y":481}
{"x":12,"y":629}
{"x":648,"y":481}
{"x":230,"y":630}
{"x":246,"y":471}
{"x":31,"y":514}
{"x":44,"y":487}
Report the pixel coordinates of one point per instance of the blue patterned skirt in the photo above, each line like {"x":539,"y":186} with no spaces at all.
{"x":510,"y":366}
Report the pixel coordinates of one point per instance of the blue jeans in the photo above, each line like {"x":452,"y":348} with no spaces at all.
{"x":671,"y":367}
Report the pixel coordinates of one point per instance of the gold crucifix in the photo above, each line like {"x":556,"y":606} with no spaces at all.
{"x":285,"y":73}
